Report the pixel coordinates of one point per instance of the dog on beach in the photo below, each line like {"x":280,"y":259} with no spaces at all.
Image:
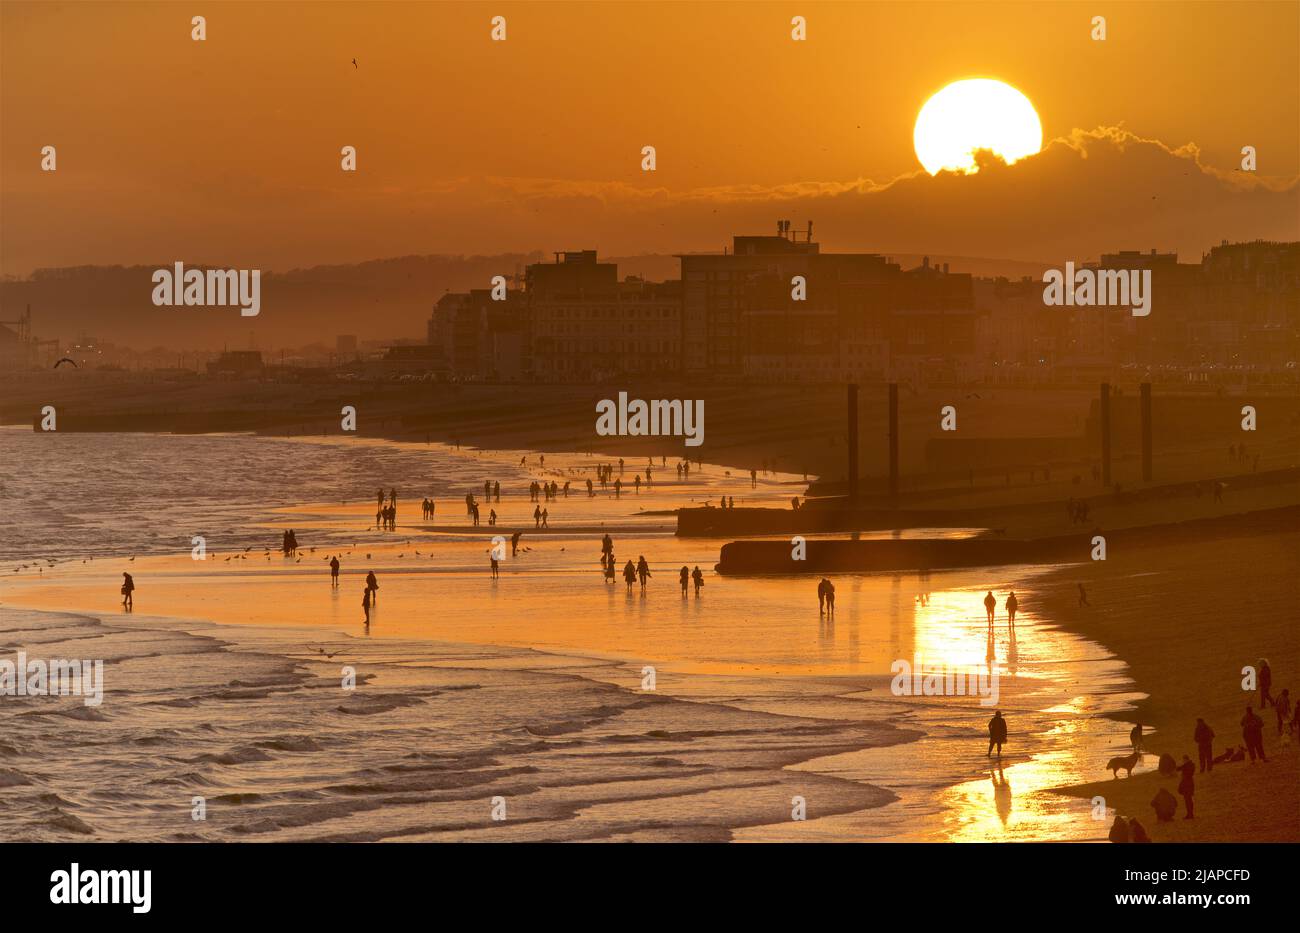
{"x":1123,"y":763}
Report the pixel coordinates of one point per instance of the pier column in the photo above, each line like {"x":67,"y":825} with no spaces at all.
{"x":1146,"y":432}
{"x":1105,"y":433}
{"x":853,"y":444}
{"x":893,"y":443}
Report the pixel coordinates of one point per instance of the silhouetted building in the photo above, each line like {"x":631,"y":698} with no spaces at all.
{"x":586,"y":325}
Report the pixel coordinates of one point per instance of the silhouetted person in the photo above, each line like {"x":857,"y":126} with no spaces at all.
{"x":611,"y":567}
{"x":365,"y":604}
{"x":830,"y":599}
{"x":1083,"y":596}
{"x":1204,"y":737}
{"x":128,"y":591}
{"x":1252,"y":731}
{"x":997,"y":733}
{"x":1282,"y":705}
{"x":1119,"y":831}
{"x":698,"y":577}
{"x":1012,"y":605}
{"x":372,"y":586}
{"x":642,"y":570}
{"x":1265,"y":683}
{"x":492,"y":556}
{"x":1165,"y":805}
{"x":334,"y":571}
{"x":629,"y":575}
{"x":1187,"y":786}
{"x":990,"y":606}
{"x":514,"y":543}
{"x":1135,"y":737}
{"x":685,"y":577}
{"x":753,"y":479}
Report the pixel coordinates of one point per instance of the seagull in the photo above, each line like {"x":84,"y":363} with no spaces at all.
{"x":354,"y":65}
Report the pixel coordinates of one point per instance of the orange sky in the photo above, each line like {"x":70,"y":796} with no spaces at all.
{"x":228,"y":150}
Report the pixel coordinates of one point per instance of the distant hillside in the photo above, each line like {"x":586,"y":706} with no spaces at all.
{"x":381,"y":299}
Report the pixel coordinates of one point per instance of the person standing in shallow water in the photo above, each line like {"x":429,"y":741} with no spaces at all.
{"x":128,"y":591}
{"x":997,"y":733}
{"x":365,"y":604}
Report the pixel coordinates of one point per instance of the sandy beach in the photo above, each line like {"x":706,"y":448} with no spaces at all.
{"x":757,"y":701}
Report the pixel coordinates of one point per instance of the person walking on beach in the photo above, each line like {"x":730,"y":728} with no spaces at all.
{"x":128,"y":590}
{"x":1265,"y":683}
{"x":537,"y":516}
{"x":990,"y":607}
{"x":611,"y":568}
{"x":1252,"y":731}
{"x":1187,"y":786}
{"x":514,"y":543}
{"x":492,"y":556}
{"x":365,"y":604}
{"x":1012,"y":605}
{"x":546,"y":517}
{"x":1204,"y":737}
{"x":830,"y":599}
{"x":629,"y":574}
{"x":997,"y":733}
{"x":334,"y":570}
{"x":372,"y":587}
{"x":1083,"y":596}
{"x":753,"y":479}
{"x":821,"y":596}
{"x":492,"y":516}
{"x":698,"y":577}
{"x":1282,"y":705}
{"x":685,"y":577}
{"x":642,"y":570}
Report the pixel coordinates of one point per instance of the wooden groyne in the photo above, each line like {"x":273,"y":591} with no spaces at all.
{"x":913,"y":554}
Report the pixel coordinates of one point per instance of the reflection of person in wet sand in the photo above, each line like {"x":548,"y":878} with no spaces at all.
{"x":1001,"y":795}
{"x":997,"y":733}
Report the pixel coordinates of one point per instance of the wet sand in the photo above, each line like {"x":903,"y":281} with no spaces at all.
{"x":1187,"y":618}
{"x":748,"y":675}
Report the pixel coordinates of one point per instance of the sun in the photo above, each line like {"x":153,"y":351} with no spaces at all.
{"x":978,"y":113}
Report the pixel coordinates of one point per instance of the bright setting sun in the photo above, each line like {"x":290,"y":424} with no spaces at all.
{"x":979,"y":113}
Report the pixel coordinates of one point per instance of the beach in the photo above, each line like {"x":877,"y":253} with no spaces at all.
{"x":531,"y":688}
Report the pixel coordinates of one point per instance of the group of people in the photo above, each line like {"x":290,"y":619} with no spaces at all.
{"x":386,"y":514}
{"x":1078,"y":510}
{"x":1012,"y":605}
{"x":826,"y":597}
{"x":289,"y":543}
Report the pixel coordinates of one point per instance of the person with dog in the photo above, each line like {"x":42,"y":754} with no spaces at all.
{"x":997,"y":733}
{"x":1135,"y":738}
{"x":1187,"y":786}
{"x":1204,"y":737}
